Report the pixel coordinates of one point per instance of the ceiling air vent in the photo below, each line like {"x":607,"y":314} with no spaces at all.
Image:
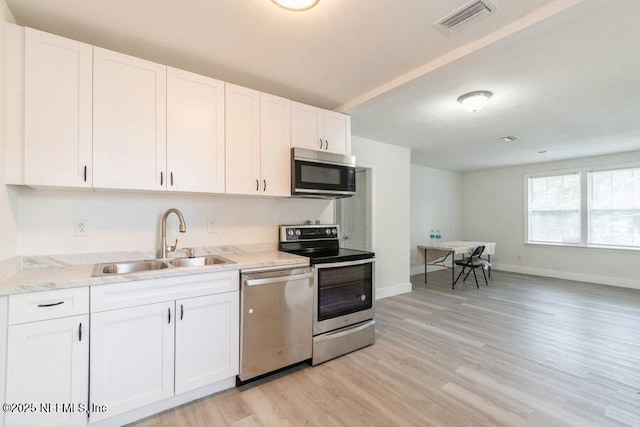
{"x":464,"y":16}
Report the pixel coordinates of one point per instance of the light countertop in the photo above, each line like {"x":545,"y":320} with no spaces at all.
{"x":33,"y":279}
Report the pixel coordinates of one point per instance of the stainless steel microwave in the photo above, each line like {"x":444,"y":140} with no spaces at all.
{"x":319,"y":174}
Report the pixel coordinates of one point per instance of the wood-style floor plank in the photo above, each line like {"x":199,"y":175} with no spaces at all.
{"x":523,"y":351}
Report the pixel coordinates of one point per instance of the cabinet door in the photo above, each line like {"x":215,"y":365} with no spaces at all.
{"x":48,"y":364}
{"x":131,"y":357}
{"x":207,"y":336}
{"x":129,"y":122}
{"x":57,"y":121}
{"x":306,"y":127}
{"x":275,"y":145}
{"x":195,"y":132}
{"x":337,"y":132}
{"x":242,"y":127}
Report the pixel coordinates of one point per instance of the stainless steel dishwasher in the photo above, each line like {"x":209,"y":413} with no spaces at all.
{"x":276,"y":320}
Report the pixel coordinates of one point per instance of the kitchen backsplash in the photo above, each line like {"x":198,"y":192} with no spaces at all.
{"x":130,"y":221}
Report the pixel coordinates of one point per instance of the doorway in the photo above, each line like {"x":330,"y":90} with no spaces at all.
{"x":353,"y":214}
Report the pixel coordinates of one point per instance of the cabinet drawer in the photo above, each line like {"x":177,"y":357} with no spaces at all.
{"x":45,"y":305}
{"x":142,"y":292}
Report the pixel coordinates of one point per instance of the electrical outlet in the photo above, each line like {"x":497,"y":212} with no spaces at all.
{"x":211,"y":227}
{"x":82,"y":227}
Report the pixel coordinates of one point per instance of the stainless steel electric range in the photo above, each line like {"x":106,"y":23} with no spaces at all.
{"x":344,"y":289}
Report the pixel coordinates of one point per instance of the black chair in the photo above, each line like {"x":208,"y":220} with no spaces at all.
{"x":471,"y":263}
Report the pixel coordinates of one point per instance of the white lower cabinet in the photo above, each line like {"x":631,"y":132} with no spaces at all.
{"x":155,"y":339}
{"x":131,"y":358}
{"x":206,"y":340}
{"x":48,"y":372}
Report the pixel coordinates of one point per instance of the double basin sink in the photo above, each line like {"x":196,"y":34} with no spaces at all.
{"x":125,"y":267}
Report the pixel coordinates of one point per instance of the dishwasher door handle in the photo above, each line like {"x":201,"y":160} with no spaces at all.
{"x":278,"y":279}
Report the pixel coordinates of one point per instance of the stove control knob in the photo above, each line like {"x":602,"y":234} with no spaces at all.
{"x":297,"y":232}
{"x":328,"y":231}
{"x":289,"y":232}
{"x":334,"y":231}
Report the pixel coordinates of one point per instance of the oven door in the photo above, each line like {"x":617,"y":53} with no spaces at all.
{"x":344,"y":294}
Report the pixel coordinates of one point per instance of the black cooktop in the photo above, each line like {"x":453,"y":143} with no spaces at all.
{"x":312,"y":242}
{"x":327,"y":255}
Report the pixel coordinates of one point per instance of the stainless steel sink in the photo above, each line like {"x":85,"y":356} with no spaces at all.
{"x":128,"y":267}
{"x":125,"y":267}
{"x":200,"y":261}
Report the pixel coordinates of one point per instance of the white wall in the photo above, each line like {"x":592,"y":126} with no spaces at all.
{"x":8,"y":204}
{"x":390,"y":166}
{"x":493,"y":205}
{"x":436,"y":203}
{"x":131,"y":221}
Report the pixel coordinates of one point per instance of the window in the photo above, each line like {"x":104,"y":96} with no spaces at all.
{"x":554,"y":209}
{"x":599,"y":208}
{"x":614,"y":207}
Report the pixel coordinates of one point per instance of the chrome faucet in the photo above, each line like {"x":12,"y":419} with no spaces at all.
{"x":183,"y":227}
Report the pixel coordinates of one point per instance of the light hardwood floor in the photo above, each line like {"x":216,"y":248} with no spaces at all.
{"x":524,"y":351}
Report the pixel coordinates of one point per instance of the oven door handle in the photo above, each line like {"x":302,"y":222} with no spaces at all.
{"x":345,"y":263}
{"x":279,"y":279}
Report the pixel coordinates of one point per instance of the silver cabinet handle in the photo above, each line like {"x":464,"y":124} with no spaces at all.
{"x":161,"y":178}
{"x":85,"y":173}
{"x":321,"y":143}
{"x":171,"y":178}
{"x":169,"y":311}
{"x":257,"y":185}
{"x":326,"y":144}
{"x":264,"y":187}
{"x":80,"y":332}
{"x":181,"y":311}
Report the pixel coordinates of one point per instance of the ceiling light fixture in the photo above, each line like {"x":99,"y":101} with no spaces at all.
{"x":508,"y":138}
{"x":473,"y":101}
{"x":296,"y":5}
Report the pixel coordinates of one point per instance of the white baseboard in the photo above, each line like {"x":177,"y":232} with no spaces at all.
{"x":569,"y":275}
{"x":389,"y":291}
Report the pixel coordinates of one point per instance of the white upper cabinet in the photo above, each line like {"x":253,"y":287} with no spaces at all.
{"x":337,"y":132}
{"x":83,"y":116}
{"x":306,"y":127}
{"x":258,"y":142}
{"x":195,"y":132}
{"x":275,"y":145}
{"x":242,"y":127}
{"x":318,"y":129}
{"x":57,"y":115}
{"x":129,"y":122}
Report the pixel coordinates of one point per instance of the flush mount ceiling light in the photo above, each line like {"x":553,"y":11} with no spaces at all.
{"x":296,"y":5}
{"x":508,"y":138}
{"x":473,"y":101}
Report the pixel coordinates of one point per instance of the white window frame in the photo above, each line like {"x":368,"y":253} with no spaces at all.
{"x":585,"y":189}
{"x":589,"y":197}
{"x":527,"y":177}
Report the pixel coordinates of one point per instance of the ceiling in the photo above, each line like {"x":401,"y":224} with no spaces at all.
{"x":564,"y":73}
